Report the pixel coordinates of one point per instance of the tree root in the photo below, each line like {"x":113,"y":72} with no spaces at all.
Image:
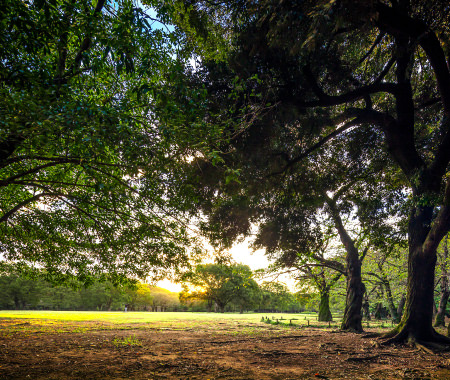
{"x":390,"y":334}
{"x":362,"y":358}
{"x":373,"y":335}
{"x":424,"y":348}
{"x":439,"y":338}
{"x":394,"y":337}
{"x":437,"y":343}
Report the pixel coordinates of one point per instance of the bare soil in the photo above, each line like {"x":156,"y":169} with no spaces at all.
{"x":228,"y":350}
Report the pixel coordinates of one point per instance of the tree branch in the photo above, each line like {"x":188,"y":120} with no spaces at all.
{"x":22,"y":204}
{"x":36,"y":169}
{"x":372,"y":48}
{"x":85,"y":44}
{"x":399,"y":23}
{"x":441,"y":225}
{"x":326,"y":100}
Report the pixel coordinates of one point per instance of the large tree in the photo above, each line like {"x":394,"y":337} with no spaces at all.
{"x":344,"y":71}
{"x":85,"y":186}
{"x":219,"y":283}
{"x":295,"y":214}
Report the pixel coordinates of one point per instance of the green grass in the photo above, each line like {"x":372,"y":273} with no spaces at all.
{"x":127,"y":341}
{"x":140,"y":317}
{"x":177,"y":319}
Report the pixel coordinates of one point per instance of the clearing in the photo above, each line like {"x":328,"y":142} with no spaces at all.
{"x":114,"y":345}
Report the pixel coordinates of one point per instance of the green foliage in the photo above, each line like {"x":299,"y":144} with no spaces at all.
{"x":220,"y":283}
{"x":21,"y":293}
{"x":276,"y":297}
{"x":85,"y":185}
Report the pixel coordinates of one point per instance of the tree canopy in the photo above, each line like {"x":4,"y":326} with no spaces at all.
{"x":304,"y":78}
{"x":220,"y":283}
{"x":85,"y":183}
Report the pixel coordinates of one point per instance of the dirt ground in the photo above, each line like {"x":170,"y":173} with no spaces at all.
{"x":227,"y":350}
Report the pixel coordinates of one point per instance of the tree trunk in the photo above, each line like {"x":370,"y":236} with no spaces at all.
{"x":355,"y":293}
{"x":401,"y":306}
{"x":324,"y":307}
{"x":417,"y":319}
{"x":221,"y":307}
{"x":390,"y":301}
{"x":366,"y":307}
{"x":379,"y":311}
{"x":440,"y":315}
{"x":355,"y":288}
{"x":416,"y":324}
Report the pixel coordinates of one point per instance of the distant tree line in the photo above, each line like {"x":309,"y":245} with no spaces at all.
{"x":22,"y":293}
{"x":234,"y":291}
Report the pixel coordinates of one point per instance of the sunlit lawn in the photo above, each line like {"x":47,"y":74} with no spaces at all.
{"x":176,"y":319}
{"x":120,"y":317}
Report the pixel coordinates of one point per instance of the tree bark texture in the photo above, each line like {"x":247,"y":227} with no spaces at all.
{"x":354,"y":299}
{"x":355,"y":288}
{"x":401,"y":306}
{"x":390,"y":301}
{"x":366,"y":307}
{"x":324,"y":307}
{"x":440,"y":315}
{"x":416,"y":324}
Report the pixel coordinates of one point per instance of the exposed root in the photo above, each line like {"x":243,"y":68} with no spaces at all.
{"x":395,"y":337}
{"x":389,"y":334}
{"x":424,"y":348}
{"x":361,"y":358}
{"x":439,"y":338}
{"x":435,"y":344}
{"x":373,"y":335}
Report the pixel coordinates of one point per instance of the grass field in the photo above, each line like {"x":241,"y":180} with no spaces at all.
{"x":179,"y":319}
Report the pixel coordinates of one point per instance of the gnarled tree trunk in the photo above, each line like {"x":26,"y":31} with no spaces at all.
{"x":417,"y":319}
{"x":355,"y":288}
{"x":355,"y":293}
{"x":416,"y":324}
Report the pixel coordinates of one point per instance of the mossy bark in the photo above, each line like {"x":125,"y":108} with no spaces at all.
{"x":439,"y":320}
{"x":445,"y":293}
{"x":366,"y":308}
{"x":401,"y":306}
{"x":390,"y":302}
{"x":416,"y":324}
{"x":324,"y":308}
